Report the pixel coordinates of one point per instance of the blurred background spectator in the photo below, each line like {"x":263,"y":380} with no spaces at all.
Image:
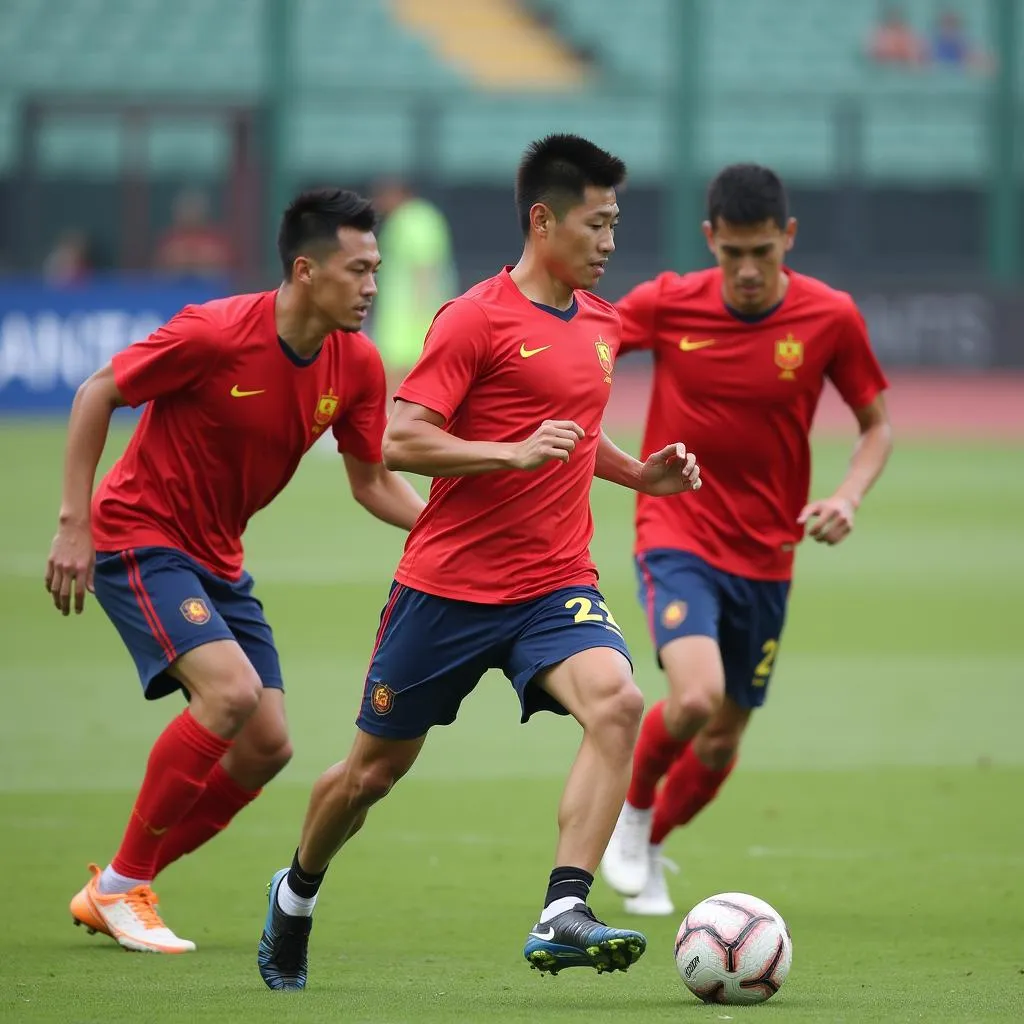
{"x":417,"y":274}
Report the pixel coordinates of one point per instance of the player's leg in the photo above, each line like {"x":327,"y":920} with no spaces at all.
{"x":262,"y":748}
{"x":431,"y":652}
{"x":571,"y":657}
{"x":682,"y":597}
{"x":178,"y":641}
{"x":753,"y":615}
{"x":338,"y":806}
{"x":260,"y":751}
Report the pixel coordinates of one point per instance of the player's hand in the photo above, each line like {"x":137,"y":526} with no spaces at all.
{"x":70,"y":567}
{"x":670,"y":471}
{"x":553,"y":439}
{"x":831,"y":520}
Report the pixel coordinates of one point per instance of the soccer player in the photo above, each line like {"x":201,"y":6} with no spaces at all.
{"x":503,"y":409}
{"x":237,"y":391}
{"x":741,"y":353}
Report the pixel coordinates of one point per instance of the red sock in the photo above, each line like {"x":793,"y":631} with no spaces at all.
{"x":690,"y":785}
{"x":655,"y":751}
{"x":179,"y":764}
{"x":221,"y":800}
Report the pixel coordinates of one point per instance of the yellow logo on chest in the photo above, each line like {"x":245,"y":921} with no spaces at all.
{"x":604,"y":357}
{"x":789,"y":356}
{"x":326,"y":407}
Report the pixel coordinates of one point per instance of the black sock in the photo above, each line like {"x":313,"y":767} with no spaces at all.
{"x":568,"y":882}
{"x":302,"y":883}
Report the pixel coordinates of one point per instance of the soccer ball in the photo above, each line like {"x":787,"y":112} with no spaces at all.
{"x":733,"y":948}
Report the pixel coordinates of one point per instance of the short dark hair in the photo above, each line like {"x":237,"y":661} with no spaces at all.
{"x":557,"y":169}
{"x":747,"y":194}
{"x":314,"y":217}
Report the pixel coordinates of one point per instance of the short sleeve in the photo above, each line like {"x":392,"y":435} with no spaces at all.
{"x":639,"y":310}
{"x":360,"y":427}
{"x":854,"y":368}
{"x":173,"y":358}
{"x":454,"y":354}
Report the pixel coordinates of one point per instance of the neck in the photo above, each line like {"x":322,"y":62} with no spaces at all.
{"x":781,"y":287}
{"x":302,"y":331}
{"x":538,"y":284}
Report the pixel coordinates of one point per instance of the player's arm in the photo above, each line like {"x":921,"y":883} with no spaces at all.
{"x":171,"y":359}
{"x":858,"y":377}
{"x":70,"y":565}
{"x":670,"y":471}
{"x":386,"y":495}
{"x":832,"y":519}
{"x":415,"y":441}
{"x":455,"y":355}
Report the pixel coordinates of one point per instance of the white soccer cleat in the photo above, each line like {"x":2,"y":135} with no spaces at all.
{"x":655,"y":900}
{"x":131,"y":919}
{"x":626,"y":864}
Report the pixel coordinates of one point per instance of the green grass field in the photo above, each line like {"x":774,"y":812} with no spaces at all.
{"x":879,"y":803}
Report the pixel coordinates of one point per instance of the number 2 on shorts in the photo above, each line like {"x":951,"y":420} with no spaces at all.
{"x":764,"y":667}
{"x":585,"y":612}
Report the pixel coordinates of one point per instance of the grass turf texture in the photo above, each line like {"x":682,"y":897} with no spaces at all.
{"x":877,"y":803}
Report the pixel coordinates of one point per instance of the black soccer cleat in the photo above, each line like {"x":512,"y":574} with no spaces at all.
{"x":576,"y":938}
{"x":284,"y":944}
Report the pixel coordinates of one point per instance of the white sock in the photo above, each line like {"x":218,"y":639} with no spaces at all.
{"x":111,"y":881}
{"x":559,"y":906}
{"x":292,"y":905}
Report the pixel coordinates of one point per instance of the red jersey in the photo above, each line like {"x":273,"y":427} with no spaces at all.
{"x":496,"y":365}
{"x":231,"y":412}
{"x":742,"y":394}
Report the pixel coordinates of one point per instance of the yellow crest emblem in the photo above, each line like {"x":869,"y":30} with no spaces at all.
{"x":789,"y":356}
{"x":674,"y":614}
{"x":604,"y":357}
{"x":326,"y":407}
{"x":382,"y":698}
{"x":195,"y":610}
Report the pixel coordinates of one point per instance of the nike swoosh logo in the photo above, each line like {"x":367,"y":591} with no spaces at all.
{"x":527,"y":352}
{"x":237,"y":392}
{"x":544,"y":938}
{"x":685,"y":345}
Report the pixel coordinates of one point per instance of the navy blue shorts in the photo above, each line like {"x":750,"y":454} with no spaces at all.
{"x":164,"y":603}
{"x":684,"y":596}
{"x":432,"y":651}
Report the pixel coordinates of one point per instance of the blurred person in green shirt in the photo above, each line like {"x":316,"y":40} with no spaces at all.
{"x":417,"y":274}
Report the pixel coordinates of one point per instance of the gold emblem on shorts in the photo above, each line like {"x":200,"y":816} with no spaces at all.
{"x":674,"y":614}
{"x":382,"y":698}
{"x":195,"y":611}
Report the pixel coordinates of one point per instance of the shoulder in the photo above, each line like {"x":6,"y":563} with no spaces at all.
{"x":356,"y":347}
{"x":692,"y":286}
{"x":470,"y":311}
{"x":220,"y":320}
{"x":671,"y":288}
{"x":823,"y":300}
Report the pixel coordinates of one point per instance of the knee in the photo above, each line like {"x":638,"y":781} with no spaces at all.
{"x":235,"y":697}
{"x":270,"y":758}
{"x":693,"y":704}
{"x":240,"y":695}
{"x":717,"y":748}
{"x":373,"y":781}
{"x":618,"y":712}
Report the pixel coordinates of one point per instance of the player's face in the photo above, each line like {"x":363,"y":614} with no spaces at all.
{"x":342,"y":284}
{"x":581,"y":243}
{"x":751,"y":258}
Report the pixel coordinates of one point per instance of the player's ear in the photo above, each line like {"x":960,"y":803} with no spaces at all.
{"x":302,"y":270}
{"x":709,"y":235}
{"x":790,"y":233}
{"x":542,"y":219}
